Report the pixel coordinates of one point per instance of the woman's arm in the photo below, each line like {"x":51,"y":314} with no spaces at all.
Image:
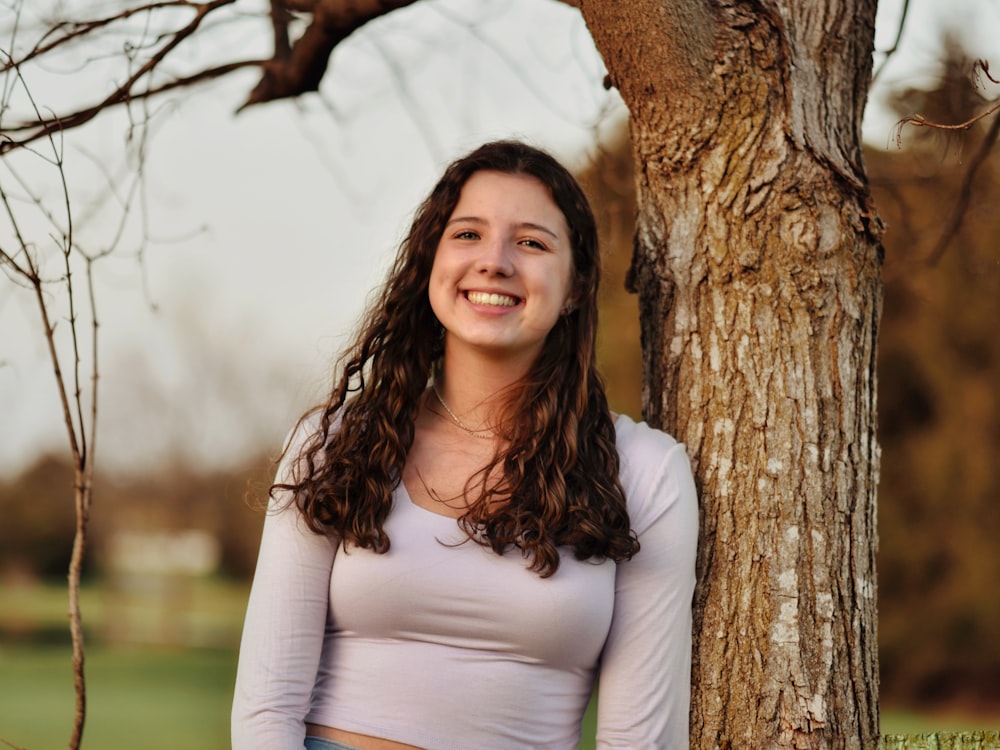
{"x":285,"y":621}
{"x":645,"y":680}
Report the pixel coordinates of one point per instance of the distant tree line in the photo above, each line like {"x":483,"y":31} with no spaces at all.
{"x":37,"y":528}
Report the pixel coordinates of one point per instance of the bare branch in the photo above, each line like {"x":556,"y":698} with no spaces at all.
{"x":524,"y":75}
{"x":406,"y":97}
{"x":980,"y":67}
{"x":961,"y":207}
{"x":279,"y":22}
{"x":82,"y":460}
{"x":80,"y":421}
{"x":920,"y":121}
{"x":294,"y":69}
{"x":983,"y":66}
{"x":895,"y":45}
{"x":44,"y":126}
{"x":69,"y":32}
{"x":94,"y":375}
{"x":951,"y":227}
{"x":303,"y":69}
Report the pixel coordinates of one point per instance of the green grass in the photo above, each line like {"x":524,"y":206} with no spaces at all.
{"x":155,"y":699}
{"x":138,"y":694}
{"x":905,"y":721}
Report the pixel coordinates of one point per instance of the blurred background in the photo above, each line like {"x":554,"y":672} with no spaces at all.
{"x":249,"y":250}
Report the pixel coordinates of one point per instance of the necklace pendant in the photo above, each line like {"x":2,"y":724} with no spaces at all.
{"x":483,"y":434}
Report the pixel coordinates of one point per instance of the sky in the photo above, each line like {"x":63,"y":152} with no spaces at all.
{"x":254,"y":239}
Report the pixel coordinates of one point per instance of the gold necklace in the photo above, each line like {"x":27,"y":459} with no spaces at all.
{"x":485,"y":434}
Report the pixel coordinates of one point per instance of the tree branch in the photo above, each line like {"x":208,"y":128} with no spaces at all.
{"x":895,"y":45}
{"x":294,"y":68}
{"x":685,"y":47}
{"x":80,"y":422}
{"x":42,"y":127}
{"x":280,"y":17}
{"x":302,"y":69}
{"x":71,"y":31}
{"x":45,"y":126}
{"x":961,"y":206}
{"x":919,"y":121}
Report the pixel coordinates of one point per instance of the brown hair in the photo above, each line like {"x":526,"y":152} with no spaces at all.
{"x":558,"y":480}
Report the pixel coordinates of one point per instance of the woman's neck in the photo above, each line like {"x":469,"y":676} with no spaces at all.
{"x":475,"y":390}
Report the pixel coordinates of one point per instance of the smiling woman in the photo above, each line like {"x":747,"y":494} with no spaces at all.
{"x":503,"y":270}
{"x":463,"y":537}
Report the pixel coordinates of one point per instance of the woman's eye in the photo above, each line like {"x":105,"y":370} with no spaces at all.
{"x":534,"y":244}
{"x":466,"y":235}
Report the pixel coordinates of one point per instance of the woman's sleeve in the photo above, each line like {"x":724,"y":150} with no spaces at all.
{"x":644,"y":690}
{"x":284,"y":626}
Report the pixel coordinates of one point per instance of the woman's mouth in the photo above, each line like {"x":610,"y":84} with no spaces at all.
{"x":490,"y":298}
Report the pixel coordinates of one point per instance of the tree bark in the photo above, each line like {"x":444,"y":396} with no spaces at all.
{"x":757,"y":262}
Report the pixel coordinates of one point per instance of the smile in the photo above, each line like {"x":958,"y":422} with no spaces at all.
{"x":487,"y":298}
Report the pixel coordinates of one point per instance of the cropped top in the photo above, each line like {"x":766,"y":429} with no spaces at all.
{"x":444,"y":644}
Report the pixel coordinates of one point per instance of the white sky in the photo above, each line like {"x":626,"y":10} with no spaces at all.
{"x":269,"y":228}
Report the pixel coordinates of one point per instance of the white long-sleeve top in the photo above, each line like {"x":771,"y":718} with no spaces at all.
{"x":443,"y":644}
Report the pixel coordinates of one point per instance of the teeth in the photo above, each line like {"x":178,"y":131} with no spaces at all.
{"x":485,"y":298}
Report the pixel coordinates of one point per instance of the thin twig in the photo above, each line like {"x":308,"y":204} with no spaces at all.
{"x":124,"y":93}
{"x":78,"y":29}
{"x":920,"y":121}
{"x":527,"y":78}
{"x":895,"y":45}
{"x":961,"y":206}
{"x":43,"y":127}
{"x":77,"y":432}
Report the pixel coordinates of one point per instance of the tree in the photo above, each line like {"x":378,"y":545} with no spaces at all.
{"x":42,"y":255}
{"x":757,"y":259}
{"x":757,"y":266}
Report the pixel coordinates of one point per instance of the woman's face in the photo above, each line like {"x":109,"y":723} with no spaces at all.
{"x":503,"y":269}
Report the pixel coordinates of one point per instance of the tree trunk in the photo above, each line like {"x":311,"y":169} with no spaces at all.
{"x":757,"y":261}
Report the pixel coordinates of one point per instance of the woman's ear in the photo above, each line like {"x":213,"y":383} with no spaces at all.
{"x":571,"y":301}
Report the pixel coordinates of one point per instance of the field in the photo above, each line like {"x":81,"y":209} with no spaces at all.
{"x":158,"y":699}
{"x":161,"y":658}
{"x":161,"y":697}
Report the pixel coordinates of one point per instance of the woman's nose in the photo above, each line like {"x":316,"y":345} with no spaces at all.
{"x":495,"y":258}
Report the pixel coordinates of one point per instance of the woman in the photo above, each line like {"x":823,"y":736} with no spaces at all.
{"x":452,"y":553}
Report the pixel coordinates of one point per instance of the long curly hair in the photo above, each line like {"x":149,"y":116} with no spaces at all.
{"x":556,"y":482}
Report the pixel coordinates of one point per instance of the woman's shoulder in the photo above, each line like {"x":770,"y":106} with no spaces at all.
{"x":300,"y":439}
{"x":304,"y":430}
{"x":655,"y":470}
{"x":308,"y":427}
{"x":639,"y":443}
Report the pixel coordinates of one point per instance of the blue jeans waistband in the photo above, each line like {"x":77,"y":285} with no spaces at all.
{"x":322,"y":743}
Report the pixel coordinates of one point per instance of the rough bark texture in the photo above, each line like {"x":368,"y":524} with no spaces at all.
{"x":757,"y":263}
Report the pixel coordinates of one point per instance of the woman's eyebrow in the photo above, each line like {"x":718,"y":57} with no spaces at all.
{"x":465,"y":220}
{"x":538,"y":228}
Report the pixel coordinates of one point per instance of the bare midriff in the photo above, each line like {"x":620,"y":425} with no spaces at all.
{"x":362,"y":741}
